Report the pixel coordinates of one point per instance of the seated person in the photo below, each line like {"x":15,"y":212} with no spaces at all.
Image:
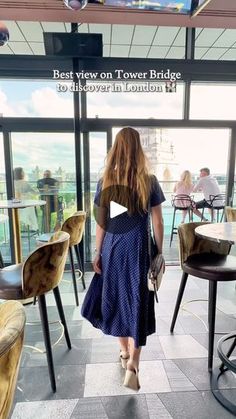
{"x":209,"y":186}
{"x":183,"y":187}
{"x":48,"y":188}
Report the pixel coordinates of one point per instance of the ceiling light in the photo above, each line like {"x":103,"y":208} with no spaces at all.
{"x":4,"y":34}
{"x":76,"y":4}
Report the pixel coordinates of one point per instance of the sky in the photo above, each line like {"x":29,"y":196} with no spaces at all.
{"x":193,"y":148}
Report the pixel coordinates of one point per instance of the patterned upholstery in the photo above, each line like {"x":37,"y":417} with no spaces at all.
{"x":191,"y":244}
{"x":12,"y":322}
{"x":43,"y":269}
{"x":74,"y":225}
{"x":230,"y":213}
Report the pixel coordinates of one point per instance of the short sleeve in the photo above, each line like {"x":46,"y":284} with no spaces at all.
{"x":98,"y":193}
{"x":156,"y":196}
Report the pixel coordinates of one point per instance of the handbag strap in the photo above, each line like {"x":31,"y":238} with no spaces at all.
{"x":149,"y":233}
{"x":150,"y":246}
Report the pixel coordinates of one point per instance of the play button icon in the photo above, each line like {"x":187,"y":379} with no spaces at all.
{"x":116,"y":209}
{"x":112,"y":209}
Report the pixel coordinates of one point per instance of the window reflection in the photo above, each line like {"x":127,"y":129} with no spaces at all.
{"x":48,"y":163}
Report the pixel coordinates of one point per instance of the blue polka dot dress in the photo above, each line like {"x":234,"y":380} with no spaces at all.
{"x":118,"y":301}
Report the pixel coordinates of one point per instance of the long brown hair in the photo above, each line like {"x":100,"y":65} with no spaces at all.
{"x":186,"y":178}
{"x":127,"y":166}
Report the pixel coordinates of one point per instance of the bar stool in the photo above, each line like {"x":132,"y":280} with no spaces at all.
{"x":207,"y":260}
{"x":12,"y":324}
{"x":227,"y":365}
{"x":39,"y":274}
{"x":74,"y":226}
{"x":180,"y":202}
{"x":217,"y":203}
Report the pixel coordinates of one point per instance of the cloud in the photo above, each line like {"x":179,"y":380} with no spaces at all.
{"x":47,"y":102}
{"x":5,"y":108}
{"x":43,"y":102}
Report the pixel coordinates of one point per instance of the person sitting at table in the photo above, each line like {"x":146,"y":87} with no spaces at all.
{"x":184,"y":187}
{"x":48,"y":188}
{"x":23,"y":190}
{"x":209,"y":186}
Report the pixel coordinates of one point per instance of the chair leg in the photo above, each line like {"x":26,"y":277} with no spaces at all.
{"x":222,"y":215}
{"x":179,"y":299}
{"x":80,"y":264}
{"x":1,"y":261}
{"x":73,"y":276}
{"x":211,"y":321}
{"x":47,"y":340}
{"x":189,"y":215}
{"x":28,"y":234}
{"x":57,"y":296}
{"x":202,"y":214}
{"x":172,"y":228}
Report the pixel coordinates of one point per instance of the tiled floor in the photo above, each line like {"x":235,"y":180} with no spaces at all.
{"x":173,"y":369}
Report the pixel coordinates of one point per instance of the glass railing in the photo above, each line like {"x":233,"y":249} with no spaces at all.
{"x":66,"y":194}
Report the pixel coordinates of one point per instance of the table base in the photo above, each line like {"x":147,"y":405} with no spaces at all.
{"x":215,"y":375}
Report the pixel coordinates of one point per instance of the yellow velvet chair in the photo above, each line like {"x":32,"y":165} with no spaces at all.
{"x":208,"y":260}
{"x":39,"y":274}
{"x":12,"y":323}
{"x":75,"y":225}
{"x":230,"y":214}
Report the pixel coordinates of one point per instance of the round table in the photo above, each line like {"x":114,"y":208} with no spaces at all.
{"x":13,"y":206}
{"x":218,"y":232}
{"x":221,"y":232}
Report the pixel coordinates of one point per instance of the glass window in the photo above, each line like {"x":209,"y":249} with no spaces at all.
{"x":44,"y":168}
{"x":20,"y":98}
{"x":213,"y":101}
{"x":129,"y":101}
{"x":4,"y":221}
{"x":98,"y":152}
{"x":170,"y":152}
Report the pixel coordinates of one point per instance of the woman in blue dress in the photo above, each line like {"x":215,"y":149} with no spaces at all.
{"x":118,"y":300}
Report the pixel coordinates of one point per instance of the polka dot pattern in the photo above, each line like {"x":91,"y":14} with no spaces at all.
{"x":118,"y":301}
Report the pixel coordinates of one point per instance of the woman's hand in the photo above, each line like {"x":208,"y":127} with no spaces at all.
{"x":97,"y":264}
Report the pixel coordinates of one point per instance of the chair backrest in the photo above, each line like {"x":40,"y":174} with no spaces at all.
{"x":182,"y":201}
{"x":230,"y":214}
{"x":74,"y":225}
{"x":44,"y":268}
{"x":217,"y":201}
{"x":12,"y":323}
{"x":190,"y":243}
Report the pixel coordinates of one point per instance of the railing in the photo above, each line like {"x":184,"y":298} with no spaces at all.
{"x":67,"y":190}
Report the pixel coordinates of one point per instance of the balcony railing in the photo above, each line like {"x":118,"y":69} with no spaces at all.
{"x":67,"y":191}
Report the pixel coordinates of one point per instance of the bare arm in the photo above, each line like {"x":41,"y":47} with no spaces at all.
{"x":197,"y":187}
{"x":158,"y":226}
{"x":100,"y":233}
{"x":101,"y":215}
